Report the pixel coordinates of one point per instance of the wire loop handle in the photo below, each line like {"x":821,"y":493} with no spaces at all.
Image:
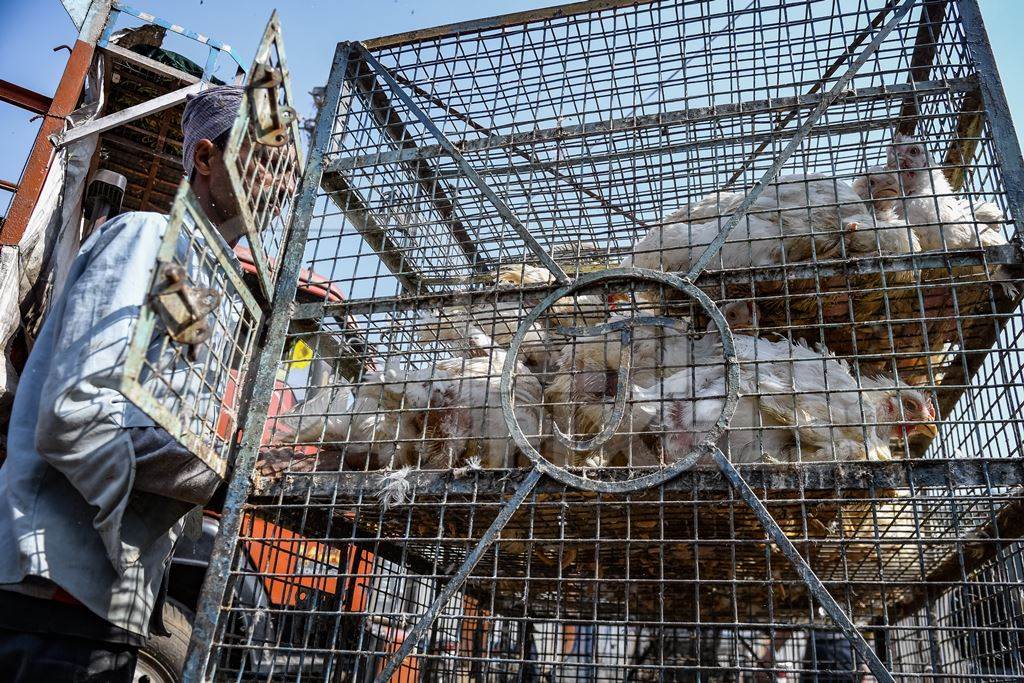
{"x":654,"y":478}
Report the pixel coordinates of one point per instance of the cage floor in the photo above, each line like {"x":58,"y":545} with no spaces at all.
{"x":877,"y":534}
{"x":886,"y":317}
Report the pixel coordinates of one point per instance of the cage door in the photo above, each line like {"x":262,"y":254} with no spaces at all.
{"x":191,"y":348}
{"x":263,"y":156}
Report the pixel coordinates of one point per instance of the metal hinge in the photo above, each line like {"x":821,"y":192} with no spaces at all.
{"x":183,"y":307}
{"x":270,"y":116}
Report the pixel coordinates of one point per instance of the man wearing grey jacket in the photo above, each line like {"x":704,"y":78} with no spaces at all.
{"x":93,"y":494}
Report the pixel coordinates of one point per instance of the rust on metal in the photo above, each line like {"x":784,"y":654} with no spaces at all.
{"x":64,"y":100}
{"x":183,"y":307}
{"x":501,"y":21}
{"x":929,"y":26}
{"x":433,"y":189}
{"x":12,"y":93}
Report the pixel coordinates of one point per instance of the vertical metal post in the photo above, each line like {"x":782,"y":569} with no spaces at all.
{"x":30,"y":186}
{"x":215,"y":584}
{"x":37,"y":167}
{"x":996,"y":107}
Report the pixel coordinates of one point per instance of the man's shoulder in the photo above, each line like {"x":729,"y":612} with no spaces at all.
{"x":136,"y":220}
{"x":130,"y":229}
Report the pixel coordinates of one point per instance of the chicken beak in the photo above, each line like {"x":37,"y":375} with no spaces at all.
{"x":887,"y":193}
{"x":927,"y":428}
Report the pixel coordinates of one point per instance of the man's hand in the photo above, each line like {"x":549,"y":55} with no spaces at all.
{"x":275,"y":461}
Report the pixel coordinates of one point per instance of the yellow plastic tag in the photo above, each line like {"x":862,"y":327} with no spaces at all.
{"x":300,"y":356}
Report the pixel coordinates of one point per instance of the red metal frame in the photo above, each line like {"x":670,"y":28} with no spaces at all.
{"x":12,"y":93}
{"x":41,"y":156}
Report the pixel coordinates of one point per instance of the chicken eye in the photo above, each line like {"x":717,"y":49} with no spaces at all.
{"x":914,"y":150}
{"x":910,"y":405}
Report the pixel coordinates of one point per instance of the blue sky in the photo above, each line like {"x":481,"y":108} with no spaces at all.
{"x":30,"y":28}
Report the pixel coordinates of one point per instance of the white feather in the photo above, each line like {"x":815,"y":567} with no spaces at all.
{"x":394,"y":488}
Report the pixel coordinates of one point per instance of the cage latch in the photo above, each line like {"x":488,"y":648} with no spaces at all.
{"x":270,"y":117}
{"x":183,"y":307}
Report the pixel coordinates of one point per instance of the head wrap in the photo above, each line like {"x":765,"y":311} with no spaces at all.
{"x":206,"y":116}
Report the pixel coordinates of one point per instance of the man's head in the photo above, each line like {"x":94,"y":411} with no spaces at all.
{"x":206,"y":125}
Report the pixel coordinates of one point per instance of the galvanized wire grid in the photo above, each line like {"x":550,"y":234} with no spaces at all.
{"x":265,"y":156}
{"x":193,"y":389}
{"x":594,"y":126}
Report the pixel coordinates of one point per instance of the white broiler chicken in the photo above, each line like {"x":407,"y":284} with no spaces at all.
{"x":369,"y":422}
{"x":941,"y":219}
{"x":463,"y":421}
{"x":580,"y":396}
{"x":501,"y":320}
{"x":756,"y":243}
{"x":795,"y":404}
{"x":816,"y":200}
{"x":879,"y":187}
{"x":440,"y":417}
{"x":796,"y":218}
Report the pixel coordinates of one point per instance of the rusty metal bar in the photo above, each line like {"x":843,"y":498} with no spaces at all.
{"x":518,"y":151}
{"x":12,"y":93}
{"x":933,"y":13}
{"x":352,"y":204}
{"x":710,"y":279}
{"x":963,"y":146}
{"x":64,"y":101}
{"x":500,"y":206}
{"x":663,"y":120}
{"x":502,"y":21}
{"x":426,"y":176}
{"x":787,"y":480}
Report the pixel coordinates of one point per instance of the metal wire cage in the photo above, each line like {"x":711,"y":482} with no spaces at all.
{"x":552,"y":268}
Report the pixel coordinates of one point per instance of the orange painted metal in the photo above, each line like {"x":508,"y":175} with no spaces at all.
{"x":291,"y":565}
{"x":41,"y":157}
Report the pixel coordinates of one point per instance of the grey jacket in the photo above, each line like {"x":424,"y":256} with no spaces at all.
{"x":78,"y":506}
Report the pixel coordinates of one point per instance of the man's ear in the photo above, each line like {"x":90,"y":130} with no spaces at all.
{"x":203,"y":156}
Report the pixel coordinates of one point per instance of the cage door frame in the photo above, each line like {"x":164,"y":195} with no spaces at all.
{"x":248,"y":180}
{"x":208,"y":444}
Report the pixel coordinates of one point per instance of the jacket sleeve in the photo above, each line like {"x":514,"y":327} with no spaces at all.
{"x":166,"y":468}
{"x":80,"y":428}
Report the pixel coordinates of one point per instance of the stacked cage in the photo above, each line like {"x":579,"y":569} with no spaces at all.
{"x":634,"y":341}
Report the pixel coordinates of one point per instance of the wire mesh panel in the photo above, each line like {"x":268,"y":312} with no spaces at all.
{"x":195,"y":337}
{"x":265,"y":155}
{"x":563,"y":264}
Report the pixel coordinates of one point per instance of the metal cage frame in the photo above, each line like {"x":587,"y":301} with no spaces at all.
{"x":355,"y":65}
